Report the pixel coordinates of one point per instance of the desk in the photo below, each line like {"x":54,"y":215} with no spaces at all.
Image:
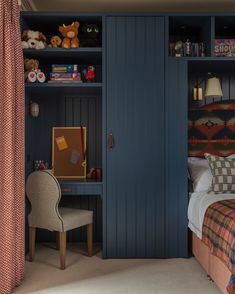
{"x":81,"y":187}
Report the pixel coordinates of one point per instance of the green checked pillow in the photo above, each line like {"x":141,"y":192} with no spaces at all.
{"x":223,"y":171}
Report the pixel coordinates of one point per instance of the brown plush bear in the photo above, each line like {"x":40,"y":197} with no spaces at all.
{"x":30,"y":65}
{"x":70,"y":34}
{"x":32,"y":72}
{"x":55,"y":42}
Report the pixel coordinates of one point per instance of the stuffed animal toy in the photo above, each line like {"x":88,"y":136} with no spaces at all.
{"x":55,"y":42}
{"x":33,"y":39}
{"x":89,"y":74}
{"x":90,"y":35}
{"x":32,"y":71}
{"x":70,"y":34}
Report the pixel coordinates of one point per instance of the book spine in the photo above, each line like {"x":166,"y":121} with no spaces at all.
{"x":65,"y":79}
{"x":65,"y":68}
{"x":65,"y":75}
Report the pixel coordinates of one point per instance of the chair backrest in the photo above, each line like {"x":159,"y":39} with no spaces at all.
{"x":44,"y":193}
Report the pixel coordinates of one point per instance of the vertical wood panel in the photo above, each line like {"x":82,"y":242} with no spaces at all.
{"x":111,"y":223}
{"x":176,"y":159}
{"x":135,"y":115}
{"x":131,"y":205}
{"x":225,"y":82}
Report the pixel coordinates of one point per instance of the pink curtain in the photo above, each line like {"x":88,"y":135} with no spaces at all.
{"x":12,"y":195}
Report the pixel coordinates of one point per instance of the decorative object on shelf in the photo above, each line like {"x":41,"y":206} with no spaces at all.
{"x":40,"y":164}
{"x":89,"y":74}
{"x":98,"y":173}
{"x":178,"y":46}
{"x":55,"y":42}
{"x":33,"y":39}
{"x":91,"y":173}
{"x":70,"y":34}
{"x":187,"y":49}
{"x":95,"y":174}
{"x":213,"y":88}
{"x":224,"y":47}
{"x":32,"y":71}
{"x":90,"y":35}
{"x":34,"y":109}
{"x":30,"y":66}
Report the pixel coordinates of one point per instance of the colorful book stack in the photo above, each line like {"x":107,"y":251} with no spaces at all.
{"x":65,"y":73}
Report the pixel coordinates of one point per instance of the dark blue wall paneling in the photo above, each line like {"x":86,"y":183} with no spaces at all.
{"x":176,"y":158}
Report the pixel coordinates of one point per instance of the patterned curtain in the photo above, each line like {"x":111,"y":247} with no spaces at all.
{"x":12,"y":194}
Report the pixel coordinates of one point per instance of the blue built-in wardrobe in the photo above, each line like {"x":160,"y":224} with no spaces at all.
{"x":135,"y":112}
{"x":146,"y":116}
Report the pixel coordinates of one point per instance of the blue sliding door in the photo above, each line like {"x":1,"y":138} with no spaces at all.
{"x":135,"y":149}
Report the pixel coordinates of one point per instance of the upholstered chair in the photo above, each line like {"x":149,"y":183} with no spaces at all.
{"x":44,"y":193}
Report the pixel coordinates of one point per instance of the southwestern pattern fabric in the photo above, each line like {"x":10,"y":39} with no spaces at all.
{"x":218,"y":231}
{"x":223,"y":171}
{"x":211,"y":129}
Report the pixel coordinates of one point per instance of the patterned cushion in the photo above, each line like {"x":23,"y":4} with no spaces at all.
{"x":211,"y":129}
{"x":223,"y":171}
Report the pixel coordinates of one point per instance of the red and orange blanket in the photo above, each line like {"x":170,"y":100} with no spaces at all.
{"x":219,"y":234}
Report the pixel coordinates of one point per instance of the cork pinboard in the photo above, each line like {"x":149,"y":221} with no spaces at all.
{"x":68,"y":152}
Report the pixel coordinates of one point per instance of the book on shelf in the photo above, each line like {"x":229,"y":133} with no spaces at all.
{"x":224,"y":47}
{"x":65,"y":81}
{"x":73,"y":75}
{"x":64,"y":68}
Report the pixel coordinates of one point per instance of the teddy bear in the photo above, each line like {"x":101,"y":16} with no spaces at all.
{"x":70,"y":34}
{"x":55,"y":42}
{"x":33,"y":39}
{"x":32,"y":71}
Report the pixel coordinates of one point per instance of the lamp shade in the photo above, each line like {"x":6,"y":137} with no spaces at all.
{"x":213,"y":87}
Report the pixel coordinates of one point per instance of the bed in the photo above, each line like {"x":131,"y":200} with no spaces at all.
{"x":208,"y":256}
{"x":212,"y":215}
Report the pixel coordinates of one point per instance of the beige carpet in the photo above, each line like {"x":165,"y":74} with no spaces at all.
{"x":123,"y":276}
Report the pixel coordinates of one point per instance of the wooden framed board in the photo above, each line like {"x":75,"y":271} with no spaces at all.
{"x":68,"y":152}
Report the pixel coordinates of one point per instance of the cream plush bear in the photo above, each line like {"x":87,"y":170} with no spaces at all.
{"x":33,"y":39}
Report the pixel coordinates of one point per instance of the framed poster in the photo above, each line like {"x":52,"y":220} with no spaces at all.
{"x":69,"y":152}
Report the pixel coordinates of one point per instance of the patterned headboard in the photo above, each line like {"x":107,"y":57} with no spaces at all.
{"x":211,"y":129}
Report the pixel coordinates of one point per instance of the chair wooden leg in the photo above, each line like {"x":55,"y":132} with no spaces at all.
{"x":90,"y":239}
{"x":32,"y":238}
{"x":62,"y":249}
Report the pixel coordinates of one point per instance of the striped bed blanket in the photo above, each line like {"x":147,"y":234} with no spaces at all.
{"x":218,"y":234}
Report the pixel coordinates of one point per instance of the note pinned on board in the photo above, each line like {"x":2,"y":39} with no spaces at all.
{"x":74,"y":157}
{"x":61,"y":143}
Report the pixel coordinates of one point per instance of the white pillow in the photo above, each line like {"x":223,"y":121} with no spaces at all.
{"x":200,"y":174}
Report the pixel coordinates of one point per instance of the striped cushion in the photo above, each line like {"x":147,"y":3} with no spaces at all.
{"x":223,"y":171}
